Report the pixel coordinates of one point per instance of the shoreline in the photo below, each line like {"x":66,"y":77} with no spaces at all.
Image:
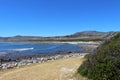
{"x":79,"y":42}
{"x":61,"y":42}
{"x":58,"y":68}
{"x":45,"y":58}
{"x":33,"y":60}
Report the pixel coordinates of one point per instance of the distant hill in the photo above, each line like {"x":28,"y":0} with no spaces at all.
{"x":92,"y":35}
{"x":79,"y":36}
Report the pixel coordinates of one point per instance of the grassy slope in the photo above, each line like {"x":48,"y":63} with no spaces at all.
{"x":104,"y":64}
{"x":53,"y":70}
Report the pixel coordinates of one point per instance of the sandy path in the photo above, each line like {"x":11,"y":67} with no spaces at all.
{"x":54,"y":70}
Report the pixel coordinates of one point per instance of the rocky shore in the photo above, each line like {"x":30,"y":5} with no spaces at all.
{"x":22,"y":62}
{"x":88,"y":48}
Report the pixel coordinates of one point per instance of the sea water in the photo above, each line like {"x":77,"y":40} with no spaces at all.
{"x":13,"y":50}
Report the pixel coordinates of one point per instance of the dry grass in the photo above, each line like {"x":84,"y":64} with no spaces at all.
{"x":63,"y":69}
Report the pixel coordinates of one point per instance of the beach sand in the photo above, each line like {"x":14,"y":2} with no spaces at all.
{"x":69,"y":42}
{"x":63,"y":69}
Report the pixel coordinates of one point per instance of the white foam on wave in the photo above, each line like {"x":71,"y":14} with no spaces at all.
{"x":49,"y":48}
{"x":22,"y":49}
{"x":3,"y":53}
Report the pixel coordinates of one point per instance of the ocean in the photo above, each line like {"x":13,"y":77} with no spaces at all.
{"x":14,"y":50}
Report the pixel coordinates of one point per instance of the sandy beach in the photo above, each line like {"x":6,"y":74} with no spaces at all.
{"x":69,"y":42}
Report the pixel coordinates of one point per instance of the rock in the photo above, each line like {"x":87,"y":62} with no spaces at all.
{"x":22,"y":62}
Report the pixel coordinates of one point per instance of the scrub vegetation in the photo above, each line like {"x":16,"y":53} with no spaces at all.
{"x":104,"y":63}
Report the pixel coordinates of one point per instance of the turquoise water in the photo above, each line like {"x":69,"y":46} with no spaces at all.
{"x":12,"y":50}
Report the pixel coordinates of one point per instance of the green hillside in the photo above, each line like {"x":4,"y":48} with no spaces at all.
{"x":104,"y":63}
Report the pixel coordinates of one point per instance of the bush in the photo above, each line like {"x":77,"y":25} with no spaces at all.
{"x":104,"y":63}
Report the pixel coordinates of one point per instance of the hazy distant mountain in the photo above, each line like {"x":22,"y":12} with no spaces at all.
{"x":83,"y":36}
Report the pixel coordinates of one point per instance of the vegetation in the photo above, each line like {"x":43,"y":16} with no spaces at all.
{"x":104,"y":63}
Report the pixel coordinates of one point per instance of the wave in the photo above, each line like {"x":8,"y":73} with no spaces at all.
{"x":3,"y":53}
{"x":49,"y":47}
{"x":22,"y":49}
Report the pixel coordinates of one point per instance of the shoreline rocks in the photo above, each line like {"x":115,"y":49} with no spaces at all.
{"x":88,"y":48}
{"x":22,"y":62}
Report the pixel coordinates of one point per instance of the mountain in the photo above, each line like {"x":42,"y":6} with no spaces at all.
{"x":92,"y":35}
{"x":79,"y":36}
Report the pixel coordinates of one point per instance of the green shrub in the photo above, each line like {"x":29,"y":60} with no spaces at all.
{"x":104,"y":63}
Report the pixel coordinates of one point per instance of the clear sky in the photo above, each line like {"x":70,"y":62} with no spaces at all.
{"x":57,"y":17}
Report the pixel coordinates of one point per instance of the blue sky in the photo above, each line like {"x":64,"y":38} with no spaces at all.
{"x":57,"y":17}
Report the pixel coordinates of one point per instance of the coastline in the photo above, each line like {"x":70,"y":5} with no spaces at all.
{"x":45,"y":58}
{"x":61,"y":42}
{"x":61,"y":69}
{"x":42,"y":59}
{"x":79,"y":42}
{"x":18,"y":67}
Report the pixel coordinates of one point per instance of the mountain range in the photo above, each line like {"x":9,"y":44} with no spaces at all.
{"x":79,"y":36}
